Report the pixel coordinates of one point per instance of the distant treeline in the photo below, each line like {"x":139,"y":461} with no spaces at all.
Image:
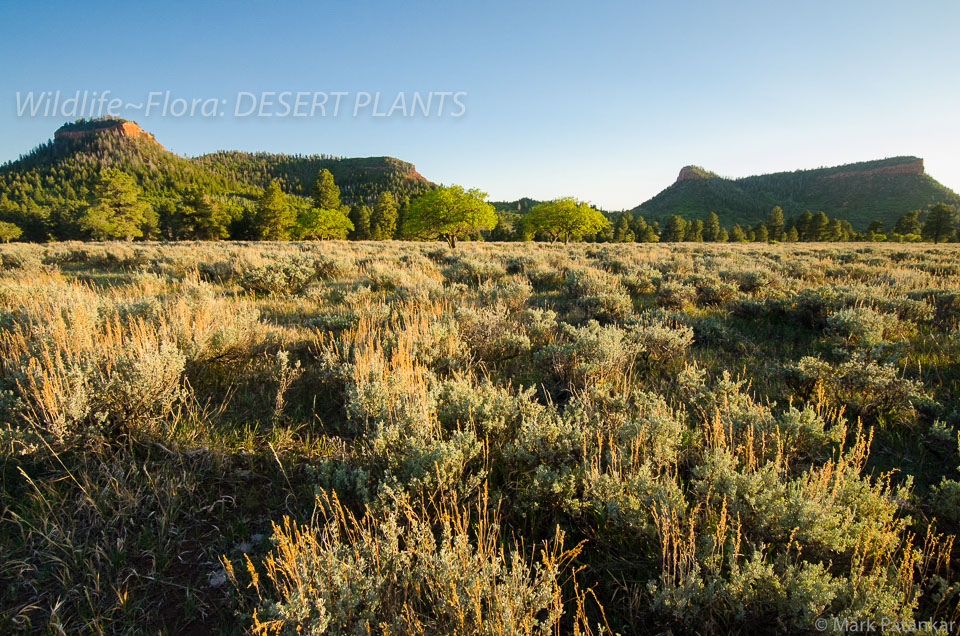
{"x":939,"y":224}
{"x":116,"y":207}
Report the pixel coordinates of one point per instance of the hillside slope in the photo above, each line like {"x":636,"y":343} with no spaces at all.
{"x":41,"y":190}
{"x":857,"y":192}
{"x":359,"y":178}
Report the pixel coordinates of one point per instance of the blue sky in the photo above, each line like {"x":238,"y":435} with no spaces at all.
{"x":605,"y":101}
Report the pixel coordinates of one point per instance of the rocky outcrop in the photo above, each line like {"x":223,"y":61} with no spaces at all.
{"x":693,"y":172}
{"x":122,"y":128}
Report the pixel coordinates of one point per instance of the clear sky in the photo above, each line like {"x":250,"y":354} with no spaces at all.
{"x":605,"y":101}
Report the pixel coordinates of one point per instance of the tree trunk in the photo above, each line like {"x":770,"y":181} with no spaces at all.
{"x":452,"y":240}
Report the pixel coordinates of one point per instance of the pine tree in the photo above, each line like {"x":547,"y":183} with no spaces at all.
{"x":939,"y":224}
{"x":117,"y":210}
{"x":737,"y":235}
{"x":802,"y":225}
{"x":817,"y":229}
{"x":621,"y":231}
{"x":711,"y":229}
{"x":834,"y":231}
{"x":274,"y":216}
{"x":722,"y":236}
{"x":675,"y":231}
{"x":639,"y":226}
{"x":360,"y":217}
{"x":909,"y":223}
{"x":197,"y":217}
{"x":325,"y":193}
{"x":760,"y":233}
{"x":775,"y":224}
{"x":383,"y":218}
{"x":648,"y":235}
{"x":847,"y":232}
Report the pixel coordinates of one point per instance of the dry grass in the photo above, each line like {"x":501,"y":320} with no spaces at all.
{"x":508,"y":438}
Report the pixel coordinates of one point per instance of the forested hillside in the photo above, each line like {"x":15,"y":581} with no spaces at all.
{"x":44,"y":191}
{"x":859,"y":193}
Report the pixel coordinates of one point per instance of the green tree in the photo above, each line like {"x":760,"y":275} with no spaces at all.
{"x":817,"y":229}
{"x":510,"y":227}
{"x":621,"y":231}
{"x":644,"y":232}
{"x":9,"y":232}
{"x":760,"y":233}
{"x":383,"y":219}
{"x":117,"y":211}
{"x":566,"y":218}
{"x":711,"y":229}
{"x":802,"y":225}
{"x":274,"y":217}
{"x":939,"y":224}
{"x":649,"y":235}
{"x":325,"y":193}
{"x":675,"y":231}
{"x":737,"y":235}
{"x":775,"y":223}
{"x":722,"y":236}
{"x":197,"y":217}
{"x":638,"y":225}
{"x":847,"y":231}
{"x":448,"y":213}
{"x":834,"y":231}
{"x":318,"y":223}
{"x":360,"y":217}
{"x":791,"y":235}
{"x":327,"y":217}
{"x":694,"y":231}
{"x":909,"y":223}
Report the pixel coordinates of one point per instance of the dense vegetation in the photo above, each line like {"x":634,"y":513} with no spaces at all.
{"x":46,"y":191}
{"x":359,"y":179}
{"x":860,"y":193}
{"x":54,"y":192}
{"x":503,"y":438}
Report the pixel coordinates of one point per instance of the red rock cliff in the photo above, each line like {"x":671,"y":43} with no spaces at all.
{"x":694,"y":172}
{"x":121,"y":128}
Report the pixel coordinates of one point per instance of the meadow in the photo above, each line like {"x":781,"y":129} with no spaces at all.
{"x":505,"y":438}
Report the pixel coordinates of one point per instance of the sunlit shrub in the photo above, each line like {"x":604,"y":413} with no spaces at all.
{"x":402,"y":572}
{"x":599,"y":295}
{"x":675,"y":295}
{"x":863,"y":326}
{"x":289,"y":275}
{"x":714,"y":292}
{"x":869,"y":387}
{"x":474,"y":271}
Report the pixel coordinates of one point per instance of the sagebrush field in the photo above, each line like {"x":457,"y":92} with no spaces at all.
{"x":398,"y":437}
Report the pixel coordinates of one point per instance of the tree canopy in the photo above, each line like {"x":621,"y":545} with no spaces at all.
{"x":274,"y":217}
{"x":9,"y":232}
{"x":116,"y":210}
{"x":939,"y":224}
{"x":449,"y":213}
{"x":198,"y":217}
{"x":566,"y":218}
{"x":383,"y":218}
{"x":327,"y":217}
